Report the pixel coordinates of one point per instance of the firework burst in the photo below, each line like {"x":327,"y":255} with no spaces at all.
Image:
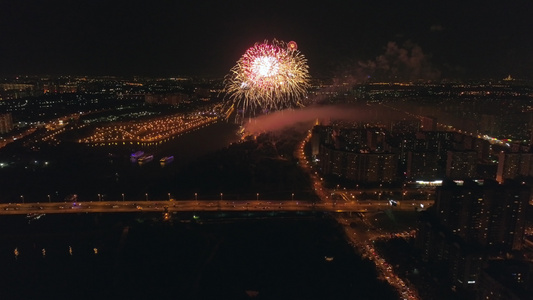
{"x":268,"y":76}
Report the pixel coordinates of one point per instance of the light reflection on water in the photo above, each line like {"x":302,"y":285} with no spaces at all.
{"x":140,"y":256}
{"x":95,"y":173}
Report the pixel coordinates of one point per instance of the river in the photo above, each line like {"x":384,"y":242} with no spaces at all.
{"x":106,"y":172}
{"x":140,"y":256}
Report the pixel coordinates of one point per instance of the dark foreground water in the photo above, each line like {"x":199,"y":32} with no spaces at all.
{"x":139,"y":256}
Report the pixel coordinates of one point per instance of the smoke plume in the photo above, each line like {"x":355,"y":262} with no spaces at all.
{"x":408,"y":62}
{"x":305,"y":117}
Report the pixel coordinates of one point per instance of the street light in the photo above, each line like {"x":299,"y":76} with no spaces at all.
{"x":257,"y":196}
{"x":221,"y":196}
{"x":146,"y":194}
{"x":168,"y":196}
{"x":22,"y":197}
{"x":99,"y":197}
{"x":49,"y":200}
{"x":195,"y":196}
{"x":292,"y":196}
{"x":122,"y":197}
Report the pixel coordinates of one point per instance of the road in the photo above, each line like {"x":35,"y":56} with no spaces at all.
{"x":360,"y":231}
{"x":196,"y":206}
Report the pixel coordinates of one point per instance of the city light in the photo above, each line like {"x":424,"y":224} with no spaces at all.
{"x":150,"y":131}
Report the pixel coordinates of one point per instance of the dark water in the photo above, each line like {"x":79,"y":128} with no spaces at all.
{"x":142,"y":257}
{"x":70,"y":168}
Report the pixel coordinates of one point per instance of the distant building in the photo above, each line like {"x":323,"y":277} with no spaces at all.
{"x":405,"y":126}
{"x":129,"y":96}
{"x":490,"y":214}
{"x":422,"y":165}
{"x":402,"y":145}
{"x":461,"y":164}
{"x":320,"y":134}
{"x":376,"y":140}
{"x":6,"y":123}
{"x":506,"y":279}
{"x":458,"y":263}
{"x":482,"y":147}
{"x":357,"y":152}
{"x":513,"y":165}
{"x":466,"y":263}
{"x":202,"y":93}
{"x":439,"y":141}
{"x":375,"y":167}
{"x":10,"y":91}
{"x":166,"y":99}
{"x":470,"y":223}
{"x":359,"y":167}
{"x":428,"y":124}
{"x":490,"y":288}
{"x":461,"y":210}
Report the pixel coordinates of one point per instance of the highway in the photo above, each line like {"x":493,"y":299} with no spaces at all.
{"x":203,"y":205}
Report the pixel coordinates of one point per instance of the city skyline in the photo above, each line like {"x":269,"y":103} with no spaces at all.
{"x":340,"y":150}
{"x":205,"y":38}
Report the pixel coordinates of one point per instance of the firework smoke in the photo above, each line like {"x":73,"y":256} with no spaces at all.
{"x":306,"y":117}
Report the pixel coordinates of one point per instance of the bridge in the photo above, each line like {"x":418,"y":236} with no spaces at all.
{"x":204,"y":206}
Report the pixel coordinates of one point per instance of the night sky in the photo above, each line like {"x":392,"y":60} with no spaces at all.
{"x":453,"y":39}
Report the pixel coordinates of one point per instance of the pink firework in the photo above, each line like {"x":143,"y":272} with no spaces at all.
{"x":268,"y":76}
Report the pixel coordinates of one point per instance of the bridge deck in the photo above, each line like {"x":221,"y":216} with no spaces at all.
{"x":196,"y":206}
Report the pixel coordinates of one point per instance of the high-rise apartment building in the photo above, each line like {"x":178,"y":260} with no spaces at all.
{"x":491,"y":214}
{"x":513,"y":165}
{"x":6,"y":123}
{"x":461,"y":164}
{"x":422,"y":165}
